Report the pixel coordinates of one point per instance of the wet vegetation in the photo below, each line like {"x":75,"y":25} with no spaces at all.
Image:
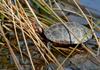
{"x":25,"y":44}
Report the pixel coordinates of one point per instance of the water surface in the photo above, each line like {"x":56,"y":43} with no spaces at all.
{"x":93,"y":5}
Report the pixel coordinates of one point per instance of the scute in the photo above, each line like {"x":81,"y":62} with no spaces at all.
{"x":58,"y":33}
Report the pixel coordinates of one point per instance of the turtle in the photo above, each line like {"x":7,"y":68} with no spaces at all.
{"x":61,"y":34}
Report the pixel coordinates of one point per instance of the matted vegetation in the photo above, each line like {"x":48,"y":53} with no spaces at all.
{"x":23,"y":45}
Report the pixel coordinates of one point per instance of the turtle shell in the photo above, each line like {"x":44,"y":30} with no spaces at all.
{"x":58,"y":33}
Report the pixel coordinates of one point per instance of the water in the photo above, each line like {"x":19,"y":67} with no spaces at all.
{"x":93,"y":5}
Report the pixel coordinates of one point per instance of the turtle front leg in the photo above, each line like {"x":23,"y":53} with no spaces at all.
{"x":49,"y":45}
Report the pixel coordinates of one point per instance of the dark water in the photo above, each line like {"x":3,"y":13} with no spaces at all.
{"x":93,"y":5}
